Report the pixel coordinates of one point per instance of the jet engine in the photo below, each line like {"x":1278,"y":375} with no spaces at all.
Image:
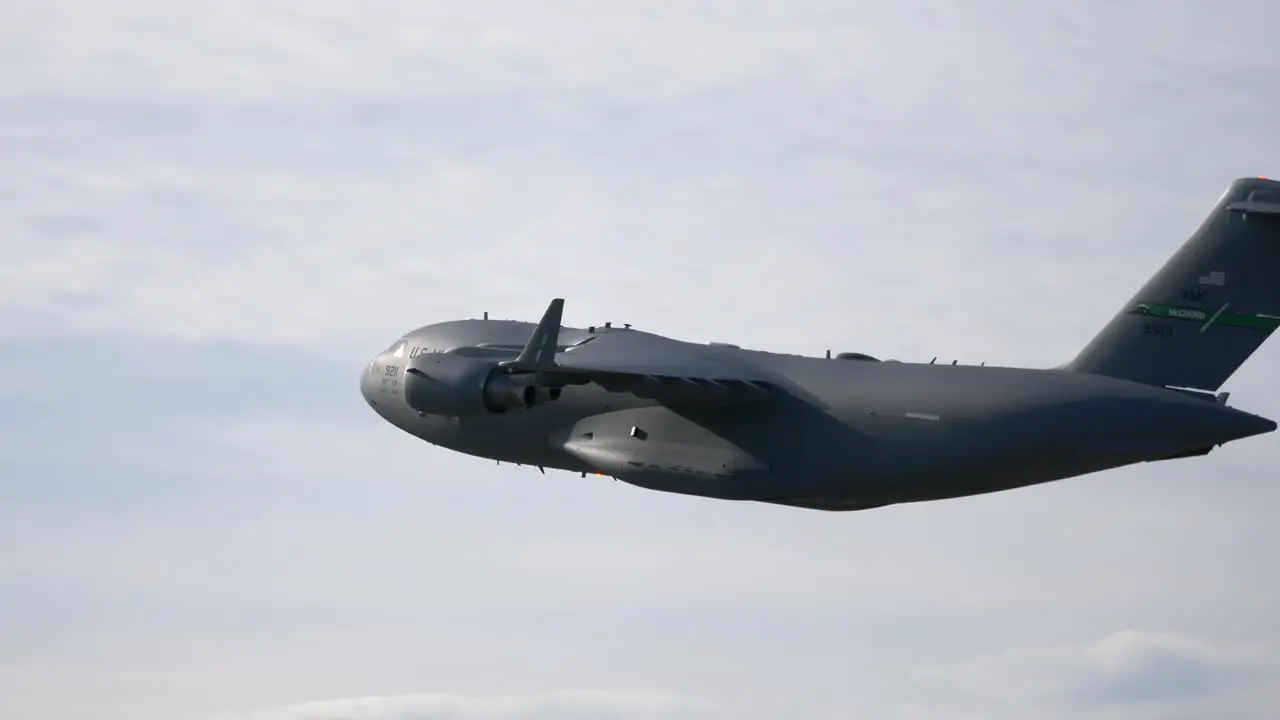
{"x":459,"y":386}
{"x":503,"y":392}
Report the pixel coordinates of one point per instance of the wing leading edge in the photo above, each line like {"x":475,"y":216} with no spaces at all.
{"x":642,"y":364}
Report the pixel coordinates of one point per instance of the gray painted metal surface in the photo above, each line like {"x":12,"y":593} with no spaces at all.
{"x":852,"y":432}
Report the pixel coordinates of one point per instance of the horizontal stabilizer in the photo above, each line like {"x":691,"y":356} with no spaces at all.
{"x":1255,"y":206}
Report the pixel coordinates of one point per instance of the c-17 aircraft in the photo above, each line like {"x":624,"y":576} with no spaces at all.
{"x":853,"y":432}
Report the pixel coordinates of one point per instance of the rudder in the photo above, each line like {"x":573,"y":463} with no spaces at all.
{"x":1201,"y":316}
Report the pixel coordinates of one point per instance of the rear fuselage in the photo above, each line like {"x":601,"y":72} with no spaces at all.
{"x":845,"y":434}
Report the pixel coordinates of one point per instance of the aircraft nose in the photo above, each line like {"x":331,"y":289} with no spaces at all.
{"x":369,"y":382}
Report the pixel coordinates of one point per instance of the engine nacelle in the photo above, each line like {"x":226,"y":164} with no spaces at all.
{"x":502,"y":392}
{"x":460,"y":386}
{"x":506,"y":392}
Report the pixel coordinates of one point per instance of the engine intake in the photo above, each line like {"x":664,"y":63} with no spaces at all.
{"x":459,"y":386}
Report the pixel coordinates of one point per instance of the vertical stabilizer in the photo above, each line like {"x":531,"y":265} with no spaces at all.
{"x":1209,"y":308}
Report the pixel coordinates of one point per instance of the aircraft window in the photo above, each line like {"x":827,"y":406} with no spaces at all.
{"x":1266,"y":196}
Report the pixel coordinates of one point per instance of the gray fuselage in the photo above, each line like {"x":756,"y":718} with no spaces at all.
{"x":845,"y":434}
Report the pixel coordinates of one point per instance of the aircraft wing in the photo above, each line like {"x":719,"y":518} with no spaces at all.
{"x":657,"y":368}
{"x":645,"y":365}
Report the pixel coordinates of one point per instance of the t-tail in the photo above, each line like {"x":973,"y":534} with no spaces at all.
{"x":1209,"y":308}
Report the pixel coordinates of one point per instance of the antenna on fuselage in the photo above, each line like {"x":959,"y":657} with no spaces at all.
{"x":828,"y":354}
{"x":935,"y":357}
{"x":486,"y":314}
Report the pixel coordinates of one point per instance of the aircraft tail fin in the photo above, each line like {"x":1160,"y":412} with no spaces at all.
{"x":1201,"y":316}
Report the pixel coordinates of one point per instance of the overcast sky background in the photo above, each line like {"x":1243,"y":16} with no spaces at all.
{"x":213,"y":214}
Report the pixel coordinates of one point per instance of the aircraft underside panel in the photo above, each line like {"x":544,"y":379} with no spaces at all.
{"x":828,"y":504}
{"x":722,"y":454}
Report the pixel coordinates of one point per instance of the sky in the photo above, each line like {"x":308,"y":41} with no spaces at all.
{"x":213,"y":214}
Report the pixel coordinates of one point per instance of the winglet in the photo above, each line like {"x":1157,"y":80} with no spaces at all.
{"x":540,"y":352}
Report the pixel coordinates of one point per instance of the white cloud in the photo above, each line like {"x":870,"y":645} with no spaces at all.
{"x":1129,"y":674}
{"x":384,"y":167}
{"x":251,"y":51}
{"x":302,"y":182}
{"x":582,"y":705}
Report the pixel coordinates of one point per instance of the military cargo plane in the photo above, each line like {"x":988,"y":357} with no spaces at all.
{"x":853,"y":432}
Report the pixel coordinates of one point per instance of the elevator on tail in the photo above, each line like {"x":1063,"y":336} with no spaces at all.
{"x":853,"y":432}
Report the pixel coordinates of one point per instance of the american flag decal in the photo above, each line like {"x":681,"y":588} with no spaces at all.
{"x":1214,"y":278}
